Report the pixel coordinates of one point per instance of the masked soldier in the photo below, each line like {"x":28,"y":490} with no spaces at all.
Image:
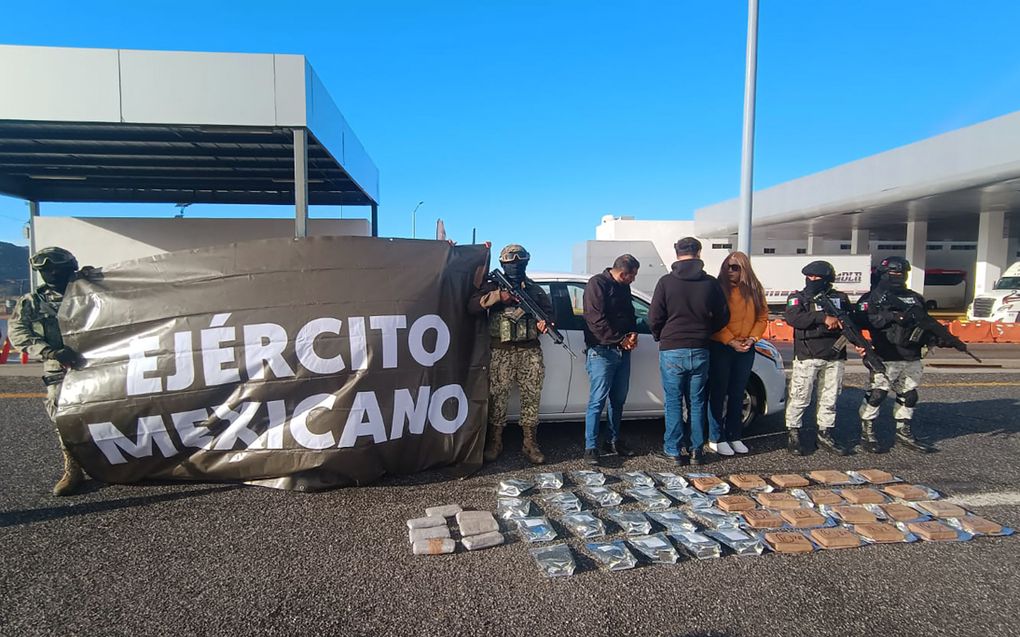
{"x":516,"y":351}
{"x":818,"y":356}
{"x":34,"y":329}
{"x":901,"y":345}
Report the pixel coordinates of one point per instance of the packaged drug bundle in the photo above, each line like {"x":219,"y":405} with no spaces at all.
{"x":510,"y":508}
{"x":656,"y":548}
{"x":535,"y":529}
{"x":560,"y":502}
{"x":631,"y":522}
{"x":602,"y":496}
{"x":700,"y":547}
{"x":514,"y":487}
{"x":635,"y":479}
{"x":588,"y":478}
{"x":584,"y":525}
{"x":554,"y":561}
{"x":650,"y":498}
{"x":612,"y":556}
{"x":673,"y":521}
{"x":552,"y":480}
{"x":739,"y":542}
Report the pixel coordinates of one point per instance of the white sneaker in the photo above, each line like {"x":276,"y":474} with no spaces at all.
{"x":721,"y":448}
{"x":739,"y":447}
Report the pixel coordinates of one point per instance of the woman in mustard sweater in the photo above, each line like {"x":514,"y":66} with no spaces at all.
{"x":732,"y":353}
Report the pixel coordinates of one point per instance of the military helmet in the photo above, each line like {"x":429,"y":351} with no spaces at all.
{"x":897,"y":266}
{"x":53,"y":256}
{"x":821,"y":269}
{"x":513,"y":252}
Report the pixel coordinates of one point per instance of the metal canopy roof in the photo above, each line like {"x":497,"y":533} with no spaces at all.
{"x":53,"y":161}
{"x":945,"y":180}
{"x":105,"y":125}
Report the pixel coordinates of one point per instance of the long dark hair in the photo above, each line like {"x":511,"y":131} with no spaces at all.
{"x":748,"y":284}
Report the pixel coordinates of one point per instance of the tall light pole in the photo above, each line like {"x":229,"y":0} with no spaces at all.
{"x":747,"y":148}
{"x":412,"y":217}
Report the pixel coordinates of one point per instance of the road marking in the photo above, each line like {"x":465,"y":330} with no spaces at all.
{"x":995,"y":498}
{"x":24,"y":395}
{"x":980,"y":384}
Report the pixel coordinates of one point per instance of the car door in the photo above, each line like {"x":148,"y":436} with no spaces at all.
{"x":645,"y":393}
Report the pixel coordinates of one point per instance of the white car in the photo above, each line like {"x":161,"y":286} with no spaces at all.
{"x":565,"y":392}
{"x":1002,"y":303}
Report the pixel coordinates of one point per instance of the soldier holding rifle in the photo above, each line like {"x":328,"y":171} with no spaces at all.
{"x":518,"y":311}
{"x":902,"y":332}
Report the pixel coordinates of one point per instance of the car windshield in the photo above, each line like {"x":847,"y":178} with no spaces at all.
{"x":1008,"y":283}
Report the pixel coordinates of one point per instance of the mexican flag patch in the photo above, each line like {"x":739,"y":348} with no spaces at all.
{"x":793,"y":301}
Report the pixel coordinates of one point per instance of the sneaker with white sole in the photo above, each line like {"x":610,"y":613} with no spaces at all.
{"x":739,"y":447}
{"x":721,"y":448}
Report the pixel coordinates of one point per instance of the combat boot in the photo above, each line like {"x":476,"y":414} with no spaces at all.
{"x":530,"y":447}
{"x":869,"y":439}
{"x":827,"y":442}
{"x":793,"y":441}
{"x":493,"y":444}
{"x":72,"y":478}
{"x":905,"y":436}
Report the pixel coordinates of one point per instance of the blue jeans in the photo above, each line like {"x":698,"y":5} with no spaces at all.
{"x":684,"y":378}
{"x":608,"y":380}
{"x":728,"y":374}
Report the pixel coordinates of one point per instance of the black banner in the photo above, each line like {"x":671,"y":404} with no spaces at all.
{"x":299,"y":364}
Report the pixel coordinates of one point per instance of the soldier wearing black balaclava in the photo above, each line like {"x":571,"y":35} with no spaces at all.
{"x":34,"y":329}
{"x":816,"y":357}
{"x":516,"y":354}
{"x":901,"y":346}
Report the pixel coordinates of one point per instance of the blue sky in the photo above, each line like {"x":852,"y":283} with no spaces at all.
{"x":530,"y":120}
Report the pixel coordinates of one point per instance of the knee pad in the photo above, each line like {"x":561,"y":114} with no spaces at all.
{"x":874,"y":397}
{"x":908,"y":399}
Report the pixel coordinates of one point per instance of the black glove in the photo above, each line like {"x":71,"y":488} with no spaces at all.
{"x":67,"y":357}
{"x":90,"y":273}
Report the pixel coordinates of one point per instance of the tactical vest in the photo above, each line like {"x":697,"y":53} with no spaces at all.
{"x":512,"y":325}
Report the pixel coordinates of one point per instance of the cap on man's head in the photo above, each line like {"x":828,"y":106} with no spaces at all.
{"x":821,"y":269}
{"x":688,"y":246}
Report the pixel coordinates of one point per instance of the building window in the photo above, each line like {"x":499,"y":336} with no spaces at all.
{"x":963,"y":247}
{"x":892,"y":246}
{"x":844,"y":246}
{"x":722,"y":246}
{"x":933,"y":247}
{"x":801,"y":250}
{"x":768,"y":251}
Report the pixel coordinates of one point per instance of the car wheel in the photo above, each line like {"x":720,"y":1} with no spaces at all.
{"x":752,"y":403}
{"x":931,"y":305}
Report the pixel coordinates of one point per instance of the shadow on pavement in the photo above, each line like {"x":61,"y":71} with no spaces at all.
{"x":31,"y":516}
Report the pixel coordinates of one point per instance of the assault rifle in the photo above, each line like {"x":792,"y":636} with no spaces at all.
{"x":529,"y":305}
{"x":923,"y":322}
{"x":850,"y":333}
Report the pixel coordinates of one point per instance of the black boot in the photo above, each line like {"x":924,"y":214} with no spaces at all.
{"x":826,"y":441}
{"x":793,"y":441}
{"x":905,"y":436}
{"x":870,"y":440}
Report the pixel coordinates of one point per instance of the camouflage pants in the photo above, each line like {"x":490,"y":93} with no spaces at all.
{"x":52,"y":396}
{"x":829,"y":375}
{"x":520,"y":365}
{"x":900,"y":377}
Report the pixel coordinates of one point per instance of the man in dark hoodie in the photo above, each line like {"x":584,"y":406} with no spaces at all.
{"x":688,"y":306}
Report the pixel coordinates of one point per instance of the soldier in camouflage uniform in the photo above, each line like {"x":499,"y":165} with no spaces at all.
{"x":816,"y":357}
{"x":34,"y":329}
{"x":516,"y":352}
{"x":902,"y":346}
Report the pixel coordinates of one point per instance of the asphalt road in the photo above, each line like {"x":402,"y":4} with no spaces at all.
{"x":199,"y":559}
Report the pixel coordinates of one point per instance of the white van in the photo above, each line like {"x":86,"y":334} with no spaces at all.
{"x":1002,"y":303}
{"x":945,"y":289}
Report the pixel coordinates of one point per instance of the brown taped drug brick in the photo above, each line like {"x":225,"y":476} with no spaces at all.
{"x":789,"y":480}
{"x":780,"y":501}
{"x":880,"y":533}
{"x":863,"y":496}
{"x":803,"y":518}
{"x":788,"y":542}
{"x":942,"y":509}
{"x":735,"y":503}
{"x":906,"y":492}
{"x":830,"y":477}
{"x":747,"y":481}
{"x":759,"y":519}
{"x":835,"y":538}
{"x":824,"y":496}
{"x":932,"y":531}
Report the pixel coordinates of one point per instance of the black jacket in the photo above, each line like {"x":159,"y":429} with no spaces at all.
{"x":688,"y":307}
{"x":608,"y":311}
{"x":890,"y":331}
{"x":811,"y":338}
